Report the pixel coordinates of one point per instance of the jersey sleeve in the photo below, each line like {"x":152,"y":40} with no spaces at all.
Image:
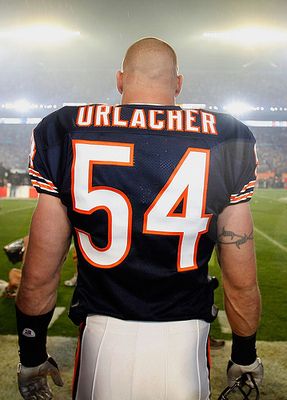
{"x":45,"y":156}
{"x":242,"y":164}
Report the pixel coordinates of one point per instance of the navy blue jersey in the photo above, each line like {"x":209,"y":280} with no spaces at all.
{"x":143,"y":186}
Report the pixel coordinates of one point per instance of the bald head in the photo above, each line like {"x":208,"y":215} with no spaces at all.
{"x":151,"y":57}
{"x":150,"y":66}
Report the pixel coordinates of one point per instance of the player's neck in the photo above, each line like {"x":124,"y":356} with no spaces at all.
{"x":147,"y":98}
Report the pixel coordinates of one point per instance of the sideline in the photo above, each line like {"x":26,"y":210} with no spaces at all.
{"x":271,"y":240}
{"x":274,"y":386}
{"x":223,"y":322}
{"x":57,"y":313}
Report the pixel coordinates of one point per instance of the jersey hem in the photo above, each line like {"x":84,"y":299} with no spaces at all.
{"x":46,"y":192}
{"x":78,"y":321}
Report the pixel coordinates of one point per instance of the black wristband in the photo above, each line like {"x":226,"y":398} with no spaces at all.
{"x":243,"y":349}
{"x":32,"y":335}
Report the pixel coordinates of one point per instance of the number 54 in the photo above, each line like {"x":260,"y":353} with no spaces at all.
{"x":187,"y":185}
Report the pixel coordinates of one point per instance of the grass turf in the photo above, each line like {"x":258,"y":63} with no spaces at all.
{"x":269,"y":209}
{"x":15,"y":217}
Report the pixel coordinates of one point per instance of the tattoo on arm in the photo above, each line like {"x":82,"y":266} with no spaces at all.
{"x":229,"y":237}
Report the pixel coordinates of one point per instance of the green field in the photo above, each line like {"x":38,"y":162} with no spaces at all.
{"x":270,"y":216}
{"x":269,"y":209}
{"x":15,"y":216}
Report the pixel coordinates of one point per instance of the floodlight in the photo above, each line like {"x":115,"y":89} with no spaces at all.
{"x":238,"y":108}
{"x":247,"y":37}
{"x":39,"y":34}
{"x":22,"y":105}
{"x":193,"y":106}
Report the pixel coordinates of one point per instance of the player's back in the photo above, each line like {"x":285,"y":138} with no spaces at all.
{"x":143,"y":186}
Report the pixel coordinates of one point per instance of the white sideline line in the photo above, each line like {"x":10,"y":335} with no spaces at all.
{"x":15,"y":209}
{"x":57,"y":312}
{"x":223,"y":322}
{"x":271,"y":240}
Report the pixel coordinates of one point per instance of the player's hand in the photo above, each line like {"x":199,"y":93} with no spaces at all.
{"x":235,"y":371}
{"x":32,"y":381}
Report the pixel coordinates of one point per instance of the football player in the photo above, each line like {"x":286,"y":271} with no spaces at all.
{"x":147,"y":190}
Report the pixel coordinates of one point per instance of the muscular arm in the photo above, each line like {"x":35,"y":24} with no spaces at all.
{"x":236,"y":255}
{"x":49,"y":242}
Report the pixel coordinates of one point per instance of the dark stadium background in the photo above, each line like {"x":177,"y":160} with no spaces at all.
{"x":38,"y":77}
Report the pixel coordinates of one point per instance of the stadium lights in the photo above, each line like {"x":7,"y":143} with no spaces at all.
{"x":24,"y":106}
{"x":235,"y":108}
{"x":192,"y":106}
{"x":249,"y":36}
{"x":238,"y":108}
{"x":39,"y":34}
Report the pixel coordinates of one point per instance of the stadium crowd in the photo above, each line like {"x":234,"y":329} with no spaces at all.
{"x":272,"y":149}
{"x":15,"y":145}
{"x":211,"y":87}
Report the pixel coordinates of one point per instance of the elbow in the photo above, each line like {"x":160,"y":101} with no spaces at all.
{"x":242,"y":286}
{"x":36,"y":280}
{"x":247,"y":297}
{"x":242,"y":289}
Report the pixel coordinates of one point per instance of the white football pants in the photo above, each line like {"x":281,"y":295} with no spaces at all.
{"x":130,"y":360}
